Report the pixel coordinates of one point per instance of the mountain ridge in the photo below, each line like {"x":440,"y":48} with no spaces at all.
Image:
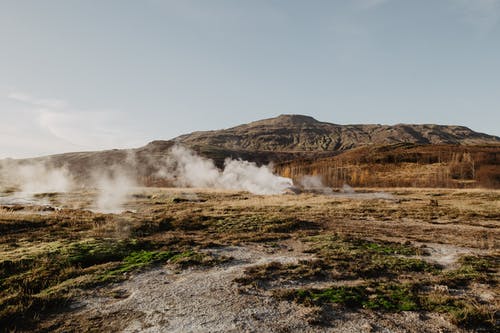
{"x":304,"y":133}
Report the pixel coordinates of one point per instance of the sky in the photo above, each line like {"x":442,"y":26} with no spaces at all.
{"x":99,"y":74}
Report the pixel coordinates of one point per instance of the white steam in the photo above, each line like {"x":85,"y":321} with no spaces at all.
{"x":35,"y":178}
{"x":315,"y":183}
{"x":346,"y":188}
{"x":189,"y":169}
{"x":40,"y":179}
{"x":114,"y":183}
{"x":243,"y":175}
{"x":349,"y":192}
{"x":21,"y":182}
{"x":113,"y":189}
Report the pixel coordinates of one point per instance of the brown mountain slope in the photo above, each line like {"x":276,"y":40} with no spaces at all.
{"x":297,"y":133}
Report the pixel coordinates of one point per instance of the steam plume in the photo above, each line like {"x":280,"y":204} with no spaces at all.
{"x":181,"y":167}
{"x":113,"y":186}
{"x":189,"y":169}
{"x":315,"y":183}
{"x":34,"y":178}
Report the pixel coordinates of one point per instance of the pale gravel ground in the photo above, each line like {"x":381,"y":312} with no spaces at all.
{"x":447,"y":255}
{"x":207,"y":300}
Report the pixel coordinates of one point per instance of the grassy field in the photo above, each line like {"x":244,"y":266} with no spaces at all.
{"x":423,"y":250}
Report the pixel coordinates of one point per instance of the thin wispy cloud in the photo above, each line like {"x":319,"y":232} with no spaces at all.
{"x":371,"y":4}
{"x":222,"y":12}
{"x":26,"y":98}
{"x":86,"y":129}
{"x":57,"y":124}
{"x":483,"y":15}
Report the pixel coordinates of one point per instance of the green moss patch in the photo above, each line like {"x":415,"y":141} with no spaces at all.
{"x":391,"y":297}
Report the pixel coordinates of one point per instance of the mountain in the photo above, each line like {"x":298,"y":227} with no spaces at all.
{"x":293,"y":139}
{"x":298,"y":133}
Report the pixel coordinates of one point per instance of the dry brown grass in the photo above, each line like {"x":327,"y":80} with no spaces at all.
{"x":35,"y":245}
{"x":452,"y":166}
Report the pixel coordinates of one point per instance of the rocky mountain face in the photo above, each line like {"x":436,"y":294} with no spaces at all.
{"x":297,"y":133}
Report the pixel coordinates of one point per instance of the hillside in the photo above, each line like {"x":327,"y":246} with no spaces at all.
{"x":403,"y":165}
{"x":297,"y":133}
{"x":291,"y":139}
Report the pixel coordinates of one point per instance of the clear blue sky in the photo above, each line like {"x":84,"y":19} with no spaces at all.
{"x":94,"y":74}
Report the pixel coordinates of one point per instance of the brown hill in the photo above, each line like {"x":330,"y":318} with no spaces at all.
{"x":281,"y":139}
{"x":297,"y":133}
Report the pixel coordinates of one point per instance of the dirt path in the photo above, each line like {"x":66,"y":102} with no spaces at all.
{"x":207,"y":300}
